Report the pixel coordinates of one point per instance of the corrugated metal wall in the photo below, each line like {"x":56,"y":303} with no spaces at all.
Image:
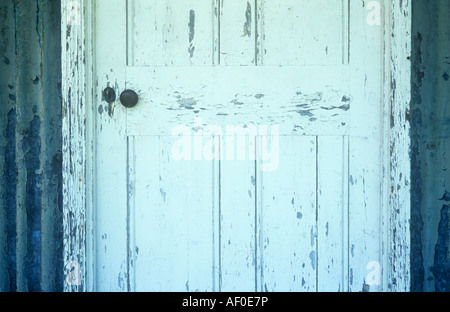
{"x":430,"y":120}
{"x":30,"y":146}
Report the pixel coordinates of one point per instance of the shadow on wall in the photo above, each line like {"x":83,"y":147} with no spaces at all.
{"x":30,"y":146}
{"x":430,"y":120}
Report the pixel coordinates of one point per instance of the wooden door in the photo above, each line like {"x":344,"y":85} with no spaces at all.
{"x":252,"y":161}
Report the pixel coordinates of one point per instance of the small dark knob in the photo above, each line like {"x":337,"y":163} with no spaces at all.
{"x":129,"y":98}
{"x":109,"y":95}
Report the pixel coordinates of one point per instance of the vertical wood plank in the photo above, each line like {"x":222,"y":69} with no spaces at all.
{"x":171,"y":33}
{"x":281,"y":32}
{"x":332,"y":219}
{"x":173,"y":199}
{"x":216,"y":31}
{"x":260,"y":32}
{"x":286,"y":38}
{"x":237,"y":202}
{"x":216,"y":217}
{"x":365,"y":141}
{"x":397,"y":213}
{"x":324,"y":46}
{"x":111,"y":189}
{"x":345,"y":31}
{"x":131,"y":214}
{"x":365,"y":212}
{"x":237,"y":32}
{"x":91,"y":135}
{"x":74,"y":145}
{"x":287,"y":207}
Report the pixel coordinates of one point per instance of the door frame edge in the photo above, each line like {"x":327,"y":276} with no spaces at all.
{"x":78,"y":144}
{"x":396,"y":171}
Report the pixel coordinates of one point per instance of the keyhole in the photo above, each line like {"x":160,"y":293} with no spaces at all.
{"x":109,"y":95}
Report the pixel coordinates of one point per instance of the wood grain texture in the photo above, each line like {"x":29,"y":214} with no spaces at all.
{"x":75,"y":98}
{"x":111,"y":209}
{"x":397,"y":81}
{"x":167,"y":202}
{"x":287,"y":225}
{"x":332,"y":214}
{"x":237,"y":32}
{"x":365,"y":241}
{"x":171,"y":33}
{"x":238,"y":227}
{"x":295,"y":32}
{"x":302,"y":100}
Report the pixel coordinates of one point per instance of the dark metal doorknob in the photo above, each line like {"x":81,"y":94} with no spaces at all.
{"x":129,"y":98}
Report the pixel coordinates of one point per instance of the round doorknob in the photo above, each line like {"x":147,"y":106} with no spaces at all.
{"x":129,"y":98}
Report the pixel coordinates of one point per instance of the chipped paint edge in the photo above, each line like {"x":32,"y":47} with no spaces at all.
{"x":396,"y":169}
{"x":78,"y":144}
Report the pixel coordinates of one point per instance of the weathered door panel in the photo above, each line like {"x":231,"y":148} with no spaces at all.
{"x":308,"y":100}
{"x":173,"y":206}
{"x":252,"y":160}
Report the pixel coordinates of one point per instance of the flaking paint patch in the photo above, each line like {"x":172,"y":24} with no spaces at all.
{"x":122,"y":279}
{"x":187,"y":103}
{"x":365,"y":288}
{"x":248,"y":21}
{"x":312,"y":257}
{"x":191,"y":26}
{"x":163,"y":194}
{"x":313,"y":237}
{"x":305,"y":113}
{"x":344,"y":107}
